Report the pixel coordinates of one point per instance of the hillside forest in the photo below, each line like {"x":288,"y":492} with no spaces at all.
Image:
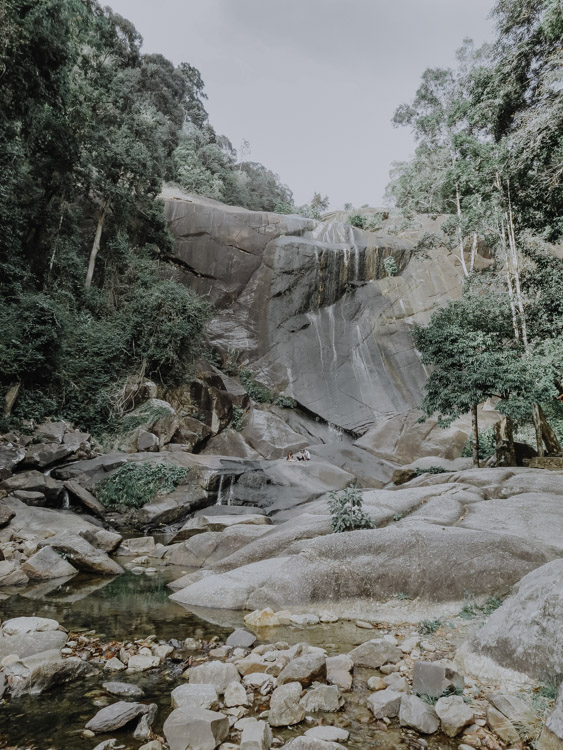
{"x":91,"y":128}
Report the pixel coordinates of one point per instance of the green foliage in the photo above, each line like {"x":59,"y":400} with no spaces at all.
{"x":262,"y":395}
{"x":430,"y":470}
{"x":487,"y":445}
{"x":238,"y":416}
{"x":429,"y":627}
{"x":136,"y":484}
{"x":346,"y":511}
{"x":357,"y":220}
{"x":390,"y":265}
{"x":471,"y":609}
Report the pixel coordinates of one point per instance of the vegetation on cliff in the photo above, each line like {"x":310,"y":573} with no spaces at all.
{"x":490,"y":154}
{"x":89,"y":129}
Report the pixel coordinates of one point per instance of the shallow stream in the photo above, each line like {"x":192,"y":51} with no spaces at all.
{"x":130,"y":607}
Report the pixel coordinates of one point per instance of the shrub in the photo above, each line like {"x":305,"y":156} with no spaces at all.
{"x":263,"y":395}
{"x":136,"y":484}
{"x":357,"y":220}
{"x":390,"y":265}
{"x":238,"y":415}
{"x":428,"y":627}
{"x":487,"y":445}
{"x":347,"y":512}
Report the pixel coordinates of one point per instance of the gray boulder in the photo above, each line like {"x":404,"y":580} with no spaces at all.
{"x":11,"y":574}
{"x":304,"y":669}
{"x":385,"y":703}
{"x":44,"y":454}
{"x":454,"y":714}
{"x":214,"y":673}
{"x":123,"y":689}
{"x":375,"y":653}
{"x":195,"y":729}
{"x":338,"y":671}
{"x":325,"y":698}
{"x":240,"y":639}
{"x":46,"y":676}
{"x":434,"y":678}
{"x":285,"y":709}
{"x":198,"y":695}
{"x":417,"y":714}
{"x":114,"y":717}
{"x":256,"y":735}
{"x":311,"y":743}
{"x":83,"y":554}
{"x":552,"y":735}
{"x":525,"y":632}
{"x":46,"y":564}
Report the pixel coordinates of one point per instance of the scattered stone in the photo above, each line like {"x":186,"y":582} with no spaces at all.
{"x":304,"y":620}
{"x":338,"y":671}
{"x":114,"y":664}
{"x":417,"y":714}
{"x":142,"y":662}
{"x":115,"y":716}
{"x":82,"y":554}
{"x":396,"y":682}
{"x":262,"y":618}
{"x":258,"y":680}
{"x":285,"y":709}
{"x":107,"y":745}
{"x":409,"y":644}
{"x":454,"y":714}
{"x":385,"y":704}
{"x":123,"y":689}
{"x":195,"y":729}
{"x":514,"y":708}
{"x":388,"y":668}
{"x":256,"y":735}
{"x":377,"y":683}
{"x":214,"y":673}
{"x":322,"y":698}
{"x":363,"y":624}
{"x":163,"y":651}
{"x":375,"y":653}
{"x":153,"y":745}
{"x":304,"y":669}
{"x":192,"y":644}
{"x":435,"y":678}
{"x":501,"y":725}
{"x":311,"y":743}
{"x":11,"y":574}
{"x":241,"y":639}
{"x":328,"y":617}
{"x":196,"y":696}
{"x":235,"y":695}
{"x":25,"y":625}
{"x":328,"y":734}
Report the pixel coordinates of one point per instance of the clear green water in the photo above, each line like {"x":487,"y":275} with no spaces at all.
{"x":130,"y":607}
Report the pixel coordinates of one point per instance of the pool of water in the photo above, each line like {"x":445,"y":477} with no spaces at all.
{"x":130,"y":607}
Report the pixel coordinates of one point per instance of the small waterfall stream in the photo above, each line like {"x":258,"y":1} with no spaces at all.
{"x":226,"y":492}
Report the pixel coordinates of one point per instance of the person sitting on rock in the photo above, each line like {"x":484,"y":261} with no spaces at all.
{"x":299,"y":456}
{"x":290,"y":457}
{"x":306,"y":455}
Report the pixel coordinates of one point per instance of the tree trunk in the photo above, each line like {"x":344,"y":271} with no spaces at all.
{"x":538,"y":428}
{"x":550,"y":439}
{"x":475,"y":426}
{"x":460,"y":228}
{"x":504,"y":437}
{"x":10,"y":398}
{"x":96,"y":245}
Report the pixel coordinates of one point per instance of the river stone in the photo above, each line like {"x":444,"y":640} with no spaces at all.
{"x":11,"y":574}
{"x":417,"y":714}
{"x":235,"y":695}
{"x":514,"y":708}
{"x":31,"y":643}
{"x":82,"y":554}
{"x":137,"y":546}
{"x":195,"y":729}
{"x":396,"y":682}
{"x":241,"y":639}
{"x":305,"y":669}
{"x":115,"y":665}
{"x":256,"y":735}
{"x":46,"y":676}
{"x":123,"y":689}
{"x":25,"y":625}
{"x":285,"y":709}
{"x":375,"y":653}
{"x":46,"y":564}
{"x":85,"y":498}
{"x":214,"y":673}
{"x":434,"y":678}
{"x":115,"y":716}
{"x":385,"y":703}
{"x":142,"y":662}
{"x":107,"y":745}
{"x":6,"y":515}
{"x":327,"y":733}
{"x":143,"y":728}
{"x":322,"y":698}
{"x":502,"y":726}
{"x":197,"y":696}
{"x":338,"y":671}
{"x":108,"y":541}
{"x":311,"y":743}
{"x":454,"y":714}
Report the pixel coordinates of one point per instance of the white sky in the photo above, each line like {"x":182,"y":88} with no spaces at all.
{"x":312,"y":84}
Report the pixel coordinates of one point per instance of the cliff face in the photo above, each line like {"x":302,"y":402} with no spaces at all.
{"x":309,"y":307}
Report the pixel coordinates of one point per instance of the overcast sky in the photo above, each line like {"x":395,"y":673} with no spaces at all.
{"x":312,"y":84}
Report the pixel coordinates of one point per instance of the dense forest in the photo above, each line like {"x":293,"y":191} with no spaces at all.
{"x":490,"y":155}
{"x":90,"y":127}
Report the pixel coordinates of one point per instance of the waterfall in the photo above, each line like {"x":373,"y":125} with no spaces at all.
{"x":65,"y":502}
{"x":220,"y":491}
{"x":231,"y":490}
{"x":336,"y":431}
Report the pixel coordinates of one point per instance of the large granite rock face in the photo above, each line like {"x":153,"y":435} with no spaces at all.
{"x":310,"y":307}
{"x":525,"y":632}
